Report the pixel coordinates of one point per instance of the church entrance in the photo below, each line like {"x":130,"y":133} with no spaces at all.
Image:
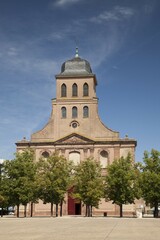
{"x":77,"y":208}
{"x":74,"y":205}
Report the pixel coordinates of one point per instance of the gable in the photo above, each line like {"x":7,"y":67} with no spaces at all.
{"x":74,"y":138}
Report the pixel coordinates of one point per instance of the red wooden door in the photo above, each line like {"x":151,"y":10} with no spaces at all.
{"x":74,"y":205}
{"x":71,"y":205}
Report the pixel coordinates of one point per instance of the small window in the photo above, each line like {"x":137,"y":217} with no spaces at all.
{"x":63,"y":112}
{"x":45,"y":154}
{"x":74,"y":90}
{"x":74,"y":112}
{"x":63,"y":90}
{"x":85,"y":112}
{"x":85,"y":90}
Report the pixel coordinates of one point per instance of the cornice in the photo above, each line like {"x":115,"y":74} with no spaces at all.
{"x":119,"y":142}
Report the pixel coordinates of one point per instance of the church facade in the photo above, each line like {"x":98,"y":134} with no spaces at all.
{"x":76,"y":131}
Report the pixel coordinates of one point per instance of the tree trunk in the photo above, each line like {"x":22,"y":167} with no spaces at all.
{"x":51,"y":209}
{"x":61,"y":208}
{"x":121,"y":210}
{"x":56,"y":210}
{"x":31,"y":209}
{"x":18,"y":211}
{"x":156,"y":210}
{"x":86,"y":211}
{"x":2,"y":212}
{"x":91,"y":210}
{"x":25,"y":210}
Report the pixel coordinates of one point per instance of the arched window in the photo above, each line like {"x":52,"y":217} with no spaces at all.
{"x":63,"y":90}
{"x":45,"y":154}
{"x":74,"y":90}
{"x":74,"y":112}
{"x":74,"y":157}
{"x":63,"y":112}
{"x":85,"y":112}
{"x":103,"y":159}
{"x":85,"y":90}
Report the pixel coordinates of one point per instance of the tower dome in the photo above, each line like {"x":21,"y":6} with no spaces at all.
{"x":76,"y":66}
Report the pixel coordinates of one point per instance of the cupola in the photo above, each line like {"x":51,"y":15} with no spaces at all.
{"x":76,"y":66}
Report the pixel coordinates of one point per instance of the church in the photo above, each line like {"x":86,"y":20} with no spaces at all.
{"x":76,"y":131}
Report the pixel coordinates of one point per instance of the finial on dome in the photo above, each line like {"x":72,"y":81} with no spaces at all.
{"x":76,"y":53}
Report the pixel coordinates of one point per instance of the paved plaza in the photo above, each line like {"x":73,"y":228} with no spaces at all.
{"x":79,"y":228}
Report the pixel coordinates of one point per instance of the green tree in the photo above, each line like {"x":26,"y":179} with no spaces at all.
{"x":21,"y":179}
{"x":3,"y":197}
{"x":122,"y":186}
{"x":150,"y":179}
{"x":88,"y":184}
{"x":54,"y":180}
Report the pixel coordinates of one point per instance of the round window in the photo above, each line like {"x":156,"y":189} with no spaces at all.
{"x":74,"y":125}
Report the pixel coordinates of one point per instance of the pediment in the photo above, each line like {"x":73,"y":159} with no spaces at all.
{"x":74,"y":139}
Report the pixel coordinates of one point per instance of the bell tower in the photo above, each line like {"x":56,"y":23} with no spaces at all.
{"x":76,"y":100}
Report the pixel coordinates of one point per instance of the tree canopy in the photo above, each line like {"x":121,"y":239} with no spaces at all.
{"x":20,"y":179}
{"x":121,"y":182}
{"x":24,"y":181}
{"x":54,"y":179}
{"x":150,"y":179}
{"x":88,"y":183}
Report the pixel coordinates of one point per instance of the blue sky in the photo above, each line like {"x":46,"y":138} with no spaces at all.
{"x":120,"y":39}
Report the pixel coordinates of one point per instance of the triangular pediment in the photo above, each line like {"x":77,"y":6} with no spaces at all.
{"x":74,"y":138}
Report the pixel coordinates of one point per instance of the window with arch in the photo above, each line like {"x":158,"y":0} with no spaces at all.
{"x":85,"y":90}
{"x":74,"y":157}
{"x":63,"y":90}
{"x":63,"y":112}
{"x":45,"y":154}
{"x":74,"y":90}
{"x":74,"y":112}
{"x":85,"y":112}
{"x":103,"y":158}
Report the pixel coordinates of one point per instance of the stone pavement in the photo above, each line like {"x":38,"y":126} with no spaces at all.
{"x":79,"y":228}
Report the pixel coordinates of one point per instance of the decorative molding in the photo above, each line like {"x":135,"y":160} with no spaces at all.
{"x":74,"y":139}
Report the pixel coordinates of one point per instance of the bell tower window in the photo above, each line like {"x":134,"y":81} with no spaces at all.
{"x":85,"y":112}
{"x":74,"y":90}
{"x":85,"y":90}
{"x":63,"y":90}
{"x":74,"y":112}
{"x":63,"y":112}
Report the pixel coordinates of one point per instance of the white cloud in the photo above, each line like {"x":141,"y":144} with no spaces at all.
{"x":62,"y":3}
{"x":100,"y":47}
{"x":22,"y":60}
{"x":12,"y":51}
{"x":124,"y":11}
{"x":117,"y":14}
{"x":107,"y":47}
